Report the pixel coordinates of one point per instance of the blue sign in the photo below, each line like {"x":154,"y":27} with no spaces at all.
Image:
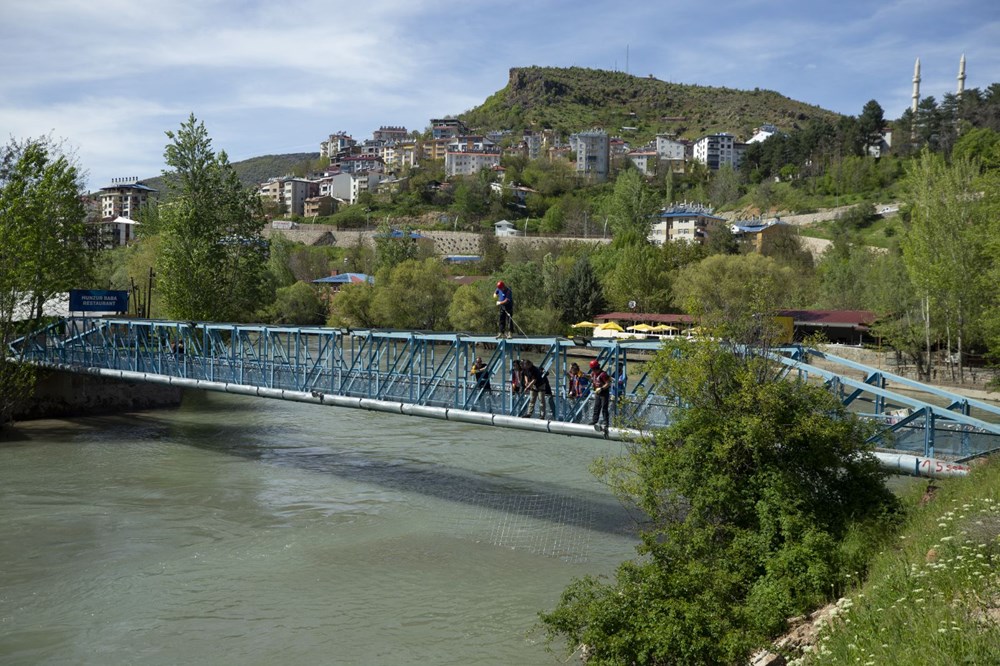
{"x":97,"y":300}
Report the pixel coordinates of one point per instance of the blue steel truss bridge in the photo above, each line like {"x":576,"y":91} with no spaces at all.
{"x":921,"y":429}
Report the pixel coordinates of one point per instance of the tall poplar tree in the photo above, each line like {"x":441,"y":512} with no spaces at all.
{"x":213,"y":260}
{"x":42,"y":248}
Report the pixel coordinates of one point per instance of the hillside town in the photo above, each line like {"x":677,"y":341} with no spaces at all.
{"x":380,"y":164}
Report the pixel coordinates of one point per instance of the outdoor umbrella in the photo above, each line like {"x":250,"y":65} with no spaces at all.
{"x":610,"y":326}
{"x":645,"y":328}
{"x":664,"y":328}
{"x":584,"y":324}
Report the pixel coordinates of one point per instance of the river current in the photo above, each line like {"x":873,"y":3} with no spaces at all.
{"x":238,"y":530}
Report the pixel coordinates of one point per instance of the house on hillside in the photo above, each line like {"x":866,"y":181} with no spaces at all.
{"x":718,"y":150}
{"x":756,"y":232}
{"x":505,"y":228}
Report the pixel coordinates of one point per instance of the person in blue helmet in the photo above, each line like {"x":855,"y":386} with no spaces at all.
{"x":505,"y":310}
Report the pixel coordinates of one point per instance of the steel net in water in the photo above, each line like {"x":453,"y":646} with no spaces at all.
{"x":536,"y":523}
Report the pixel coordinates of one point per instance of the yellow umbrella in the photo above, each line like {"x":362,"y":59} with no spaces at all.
{"x":610,"y":326}
{"x":663,"y":328}
{"x":585,"y":324}
{"x":645,"y":328}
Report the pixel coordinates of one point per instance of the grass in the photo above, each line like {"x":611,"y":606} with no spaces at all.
{"x":883,"y":232}
{"x":933,"y":598}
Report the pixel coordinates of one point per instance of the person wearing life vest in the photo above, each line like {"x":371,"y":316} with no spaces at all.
{"x":601,"y":383}
{"x":505,"y":310}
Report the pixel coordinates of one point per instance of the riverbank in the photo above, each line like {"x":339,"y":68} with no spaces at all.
{"x":931,"y":597}
{"x":60,"y":394}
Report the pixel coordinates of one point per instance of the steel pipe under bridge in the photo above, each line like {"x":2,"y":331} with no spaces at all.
{"x":428,"y":374}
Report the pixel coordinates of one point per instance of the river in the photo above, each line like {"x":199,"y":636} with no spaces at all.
{"x":238,"y":530}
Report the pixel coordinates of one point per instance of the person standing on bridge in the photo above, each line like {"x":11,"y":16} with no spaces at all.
{"x":505,"y":310}
{"x":483,"y":388}
{"x":601,"y":383}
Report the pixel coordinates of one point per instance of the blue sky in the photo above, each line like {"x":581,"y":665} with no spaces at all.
{"x":110,"y":76}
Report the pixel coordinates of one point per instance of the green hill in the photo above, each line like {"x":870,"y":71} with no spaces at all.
{"x":576,"y":99}
{"x":256,"y":169}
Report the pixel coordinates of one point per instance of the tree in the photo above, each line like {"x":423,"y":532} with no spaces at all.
{"x":473,"y":309}
{"x":943,"y":246}
{"x":42,"y":246}
{"x":580,"y":296}
{"x":630,"y":209}
{"x":296,"y":305}
{"x":213,"y":260}
{"x":640,"y":273}
{"x":870,"y":124}
{"x":353,"y":306}
{"x":413,"y":295}
{"x":762,"y":499}
{"x":491,"y":253}
{"x":725,"y":187}
{"x":393,"y":247}
{"x":734,"y":294}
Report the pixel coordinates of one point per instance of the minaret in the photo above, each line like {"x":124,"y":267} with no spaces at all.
{"x":961,"y":76}
{"x":916,"y":86}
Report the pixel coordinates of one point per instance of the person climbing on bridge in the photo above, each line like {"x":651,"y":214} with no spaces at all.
{"x":537,"y":381}
{"x":482,"y":373}
{"x":575,"y":380}
{"x":601,"y":383}
{"x":505,"y":310}
{"x":483,"y":388}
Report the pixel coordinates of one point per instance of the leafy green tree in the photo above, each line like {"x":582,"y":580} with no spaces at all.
{"x":393,"y":247}
{"x":42,"y":248}
{"x":413,"y":295}
{"x":296,"y":305}
{"x":640,"y":273}
{"x":212,"y":263}
{"x":763,"y":500}
{"x":734,"y":294}
{"x":726,"y":186}
{"x":630,"y":209}
{"x":353,"y":307}
{"x":944,"y":245}
{"x":473,"y":309}
{"x":42,"y":225}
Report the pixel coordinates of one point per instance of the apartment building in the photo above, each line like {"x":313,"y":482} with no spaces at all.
{"x":718,"y":150}
{"x":290,"y":192}
{"x":120,"y":204}
{"x":336,"y":144}
{"x":390,"y":134}
{"x":447,"y":128}
{"x":689,"y":222}
{"x":593,"y":154}
{"x":644,"y":161}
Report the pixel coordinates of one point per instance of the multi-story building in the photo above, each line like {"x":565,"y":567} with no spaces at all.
{"x":435,"y":149}
{"x":361,"y":163}
{"x":336,"y":143}
{"x":593,"y":151}
{"x":644,"y":161}
{"x":689,"y":222}
{"x":389,"y":134}
{"x":347,"y":187}
{"x":120,"y":204}
{"x":671,"y":152}
{"x":470,"y":162}
{"x":290,"y":192}
{"x":447,"y":128}
{"x":718,"y":150}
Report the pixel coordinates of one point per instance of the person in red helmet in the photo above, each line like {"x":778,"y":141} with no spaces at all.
{"x":505,"y":310}
{"x":601,"y":383}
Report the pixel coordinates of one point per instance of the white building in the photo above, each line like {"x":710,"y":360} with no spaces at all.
{"x":718,"y":150}
{"x":644,"y":161}
{"x":290,"y":192}
{"x":120,"y":205}
{"x":461,"y":163}
{"x":763,"y":133}
{"x":505,"y":228}
{"x":348,"y":187}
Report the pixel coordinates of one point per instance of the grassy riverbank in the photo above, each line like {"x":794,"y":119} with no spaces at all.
{"x":933,"y":597}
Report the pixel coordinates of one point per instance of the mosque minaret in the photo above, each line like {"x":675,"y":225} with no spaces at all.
{"x":961,"y":76}
{"x":916,"y":86}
